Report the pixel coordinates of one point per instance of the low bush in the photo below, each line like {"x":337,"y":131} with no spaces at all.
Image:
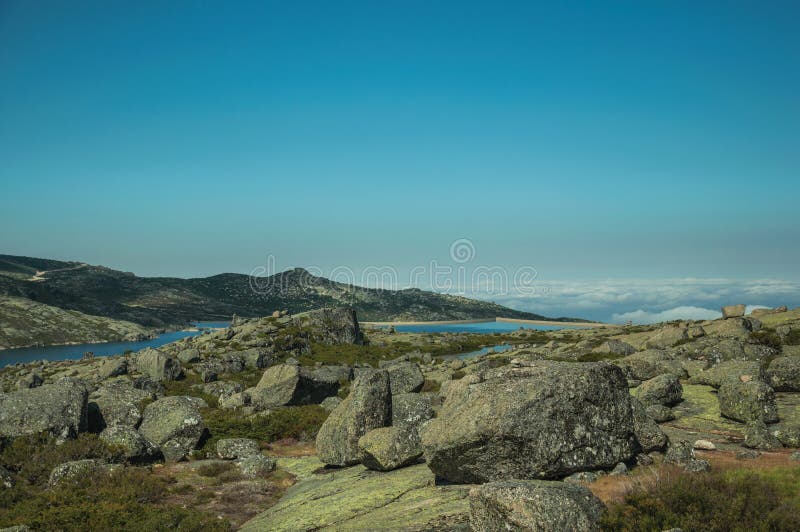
{"x":720,"y":500}
{"x":297,"y":422}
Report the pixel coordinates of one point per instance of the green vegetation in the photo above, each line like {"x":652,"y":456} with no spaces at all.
{"x":186,"y":385}
{"x":297,"y":422}
{"x":123,"y":499}
{"x":720,"y":500}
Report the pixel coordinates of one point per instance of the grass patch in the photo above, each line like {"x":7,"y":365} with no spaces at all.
{"x":214,"y":469}
{"x":297,"y":422}
{"x":185,"y":387}
{"x":720,"y":500}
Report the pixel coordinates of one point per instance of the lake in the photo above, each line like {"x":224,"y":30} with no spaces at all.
{"x":74,"y":352}
{"x":463,"y":356}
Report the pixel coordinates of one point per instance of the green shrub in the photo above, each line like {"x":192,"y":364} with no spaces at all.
{"x":720,"y":500}
{"x":126,"y":499}
{"x":458,"y":374}
{"x":32,"y":458}
{"x":214,"y":469}
{"x":298,"y":422}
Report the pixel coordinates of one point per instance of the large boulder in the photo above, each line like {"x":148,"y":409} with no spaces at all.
{"x":546,"y":420}
{"x":664,"y":389}
{"x":332,"y":325}
{"x":158,"y":366}
{"x":233,"y":448}
{"x":733,"y":311}
{"x":117,"y":402}
{"x":405,"y":377}
{"x":667,"y":337}
{"x":534,"y":505}
{"x":648,"y":364}
{"x":387,"y":448}
{"x":334,"y":373}
{"x":135,"y":447}
{"x":60,"y":409}
{"x":411,"y":409}
{"x":783,"y":374}
{"x":174,"y":424}
{"x":367,"y":407}
{"x":747,"y":402}
{"x":728,"y":370}
{"x":286,"y":384}
{"x":615,"y":347}
{"x":648,"y":433}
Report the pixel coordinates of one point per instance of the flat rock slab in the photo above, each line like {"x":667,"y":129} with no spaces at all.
{"x":355,"y":498}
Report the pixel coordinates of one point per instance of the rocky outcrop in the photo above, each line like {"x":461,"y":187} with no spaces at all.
{"x":117,"y":402}
{"x":783,"y":374}
{"x":648,"y":364}
{"x":388,"y":448}
{"x":60,"y":409}
{"x":648,"y":433}
{"x":411,"y":410}
{"x":733,"y":311}
{"x":667,"y":337}
{"x":534,"y":505}
{"x":747,"y":402}
{"x":286,"y":384}
{"x":661,"y":390}
{"x":728,"y":370}
{"x":158,"y":366}
{"x":71,"y":470}
{"x":367,"y":407}
{"x":136,"y":448}
{"x":233,"y":448}
{"x":615,"y":347}
{"x":332,"y":325}
{"x":405,"y":377}
{"x":544,"y":421}
{"x":359,"y":499}
{"x":255,"y":466}
{"x":174,"y":424}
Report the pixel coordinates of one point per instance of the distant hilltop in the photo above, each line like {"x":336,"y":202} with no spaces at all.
{"x":158,"y":302}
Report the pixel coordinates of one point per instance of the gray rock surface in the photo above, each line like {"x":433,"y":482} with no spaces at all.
{"x":728,"y":370}
{"x":158,"y":366}
{"x":286,"y":384}
{"x":388,"y":448}
{"x":747,"y":402}
{"x":733,"y":311}
{"x":367,"y":407}
{"x":255,"y":466}
{"x":405,"y":378}
{"x":136,"y":447}
{"x":174,"y":424}
{"x":60,"y":409}
{"x":664,"y":390}
{"x":783,"y":374}
{"x":233,"y":448}
{"x":117,"y":402}
{"x":71,"y":470}
{"x":544,"y":421}
{"x":648,"y":433}
{"x":411,"y":409}
{"x":534,"y":505}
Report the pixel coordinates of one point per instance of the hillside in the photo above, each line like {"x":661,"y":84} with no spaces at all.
{"x":24,"y":322}
{"x":164,"y":301}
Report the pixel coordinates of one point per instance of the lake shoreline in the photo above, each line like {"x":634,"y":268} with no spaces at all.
{"x":487,"y":320}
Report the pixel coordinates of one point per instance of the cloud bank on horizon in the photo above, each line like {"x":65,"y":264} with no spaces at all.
{"x":648,"y":300}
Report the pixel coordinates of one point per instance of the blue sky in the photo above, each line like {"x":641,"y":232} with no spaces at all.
{"x":597,"y":142}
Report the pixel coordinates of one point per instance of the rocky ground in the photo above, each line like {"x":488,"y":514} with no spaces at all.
{"x":297,"y":422}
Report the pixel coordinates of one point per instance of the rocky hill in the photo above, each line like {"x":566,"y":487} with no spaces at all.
{"x":24,"y":323}
{"x":166,"y":301}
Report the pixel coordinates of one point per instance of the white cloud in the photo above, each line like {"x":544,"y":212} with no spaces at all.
{"x":677,"y":313}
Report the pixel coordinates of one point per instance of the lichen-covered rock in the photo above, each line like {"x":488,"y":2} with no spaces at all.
{"x":332,"y":325}
{"x":783,"y":374}
{"x":233,"y":448}
{"x":728,"y":370}
{"x":330,"y":403}
{"x":60,"y":409}
{"x":681,"y":453}
{"x":747,"y":402}
{"x":357,"y":498}
{"x":411,"y":409}
{"x":660,"y":413}
{"x":189,"y":356}
{"x":547,"y":420}
{"x":31,"y":380}
{"x":667,"y":337}
{"x":788,"y":435}
{"x":334,"y":373}
{"x":664,"y":390}
{"x":255,"y":466}
{"x":158,"y":366}
{"x":615,"y":347}
{"x":733,"y":311}
{"x":534,"y":505}
{"x":6,"y":478}
{"x":174,"y":424}
{"x":648,"y":433}
{"x":135,"y":447}
{"x":405,"y":377}
{"x":285,"y":385}
{"x":71,"y":470}
{"x":388,"y":448}
{"x":367,"y":407}
{"x":113,"y":367}
{"x":647,"y":364}
{"x":117,"y":402}
{"x":758,"y":436}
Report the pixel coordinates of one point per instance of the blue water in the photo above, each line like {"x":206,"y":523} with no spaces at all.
{"x":497,"y":349}
{"x":211,"y":324}
{"x":73,"y":352}
{"x":487,"y":327}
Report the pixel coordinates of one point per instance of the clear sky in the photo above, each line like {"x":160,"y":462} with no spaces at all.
{"x":588,"y":140}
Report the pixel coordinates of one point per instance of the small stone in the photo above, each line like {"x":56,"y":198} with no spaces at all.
{"x":704,"y":445}
{"x":256,"y":466}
